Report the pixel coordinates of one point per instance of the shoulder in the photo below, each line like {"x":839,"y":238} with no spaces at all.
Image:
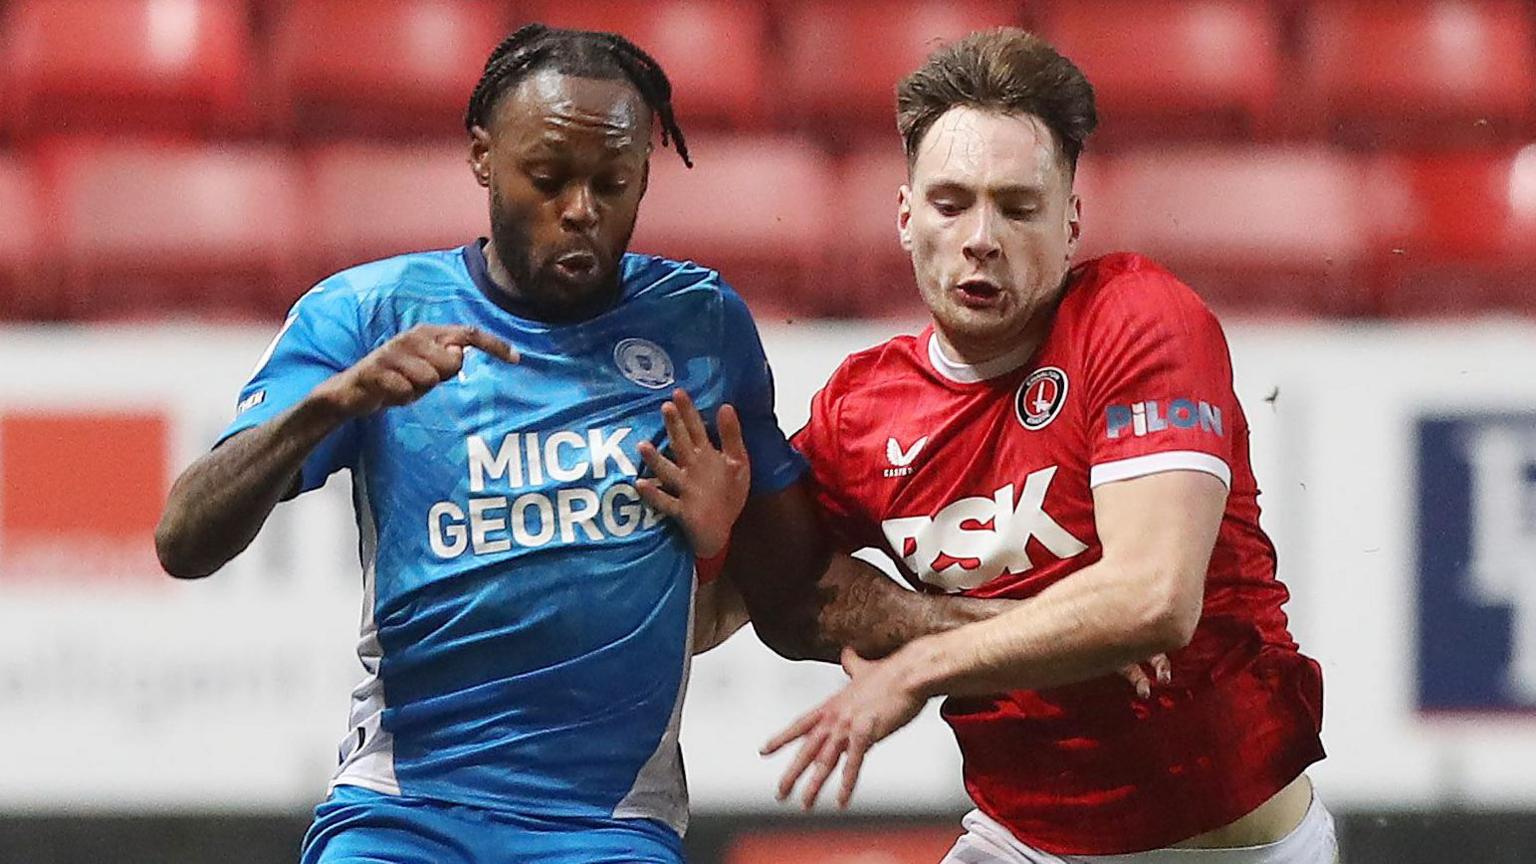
{"x":654,"y":275}
{"x":367,"y":286}
{"x":863,"y":371}
{"x":688,"y":289}
{"x":1125,"y":287}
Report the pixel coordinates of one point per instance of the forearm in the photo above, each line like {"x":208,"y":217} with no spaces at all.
{"x":858,"y":607}
{"x":219,"y":504}
{"x":808,"y":602}
{"x":1091,"y":624}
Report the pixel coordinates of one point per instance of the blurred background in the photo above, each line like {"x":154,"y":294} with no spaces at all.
{"x":1350,"y":183}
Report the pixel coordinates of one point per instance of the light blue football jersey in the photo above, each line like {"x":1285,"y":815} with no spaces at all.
{"x":526,"y":626}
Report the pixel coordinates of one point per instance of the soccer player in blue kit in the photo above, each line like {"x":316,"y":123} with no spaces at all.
{"x":530,"y":599}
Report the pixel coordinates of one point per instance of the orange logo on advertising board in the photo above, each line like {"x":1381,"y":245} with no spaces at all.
{"x":80,"y":493}
{"x":838,"y":846}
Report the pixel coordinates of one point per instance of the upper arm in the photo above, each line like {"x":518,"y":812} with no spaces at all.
{"x":1161,"y":528}
{"x":1164,"y":428}
{"x":321,"y":337}
{"x":749,"y":388}
{"x":778,"y":548}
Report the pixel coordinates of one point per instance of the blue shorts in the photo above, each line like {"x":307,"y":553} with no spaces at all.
{"x":360,"y":826}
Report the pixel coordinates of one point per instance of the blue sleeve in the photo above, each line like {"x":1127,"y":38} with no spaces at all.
{"x":749,"y":387}
{"x":322,"y":336}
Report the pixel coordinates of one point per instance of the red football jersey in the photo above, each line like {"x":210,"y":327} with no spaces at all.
{"x":980,"y":480}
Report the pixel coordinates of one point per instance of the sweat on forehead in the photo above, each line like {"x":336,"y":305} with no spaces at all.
{"x":967,"y":139}
{"x":553,"y":95}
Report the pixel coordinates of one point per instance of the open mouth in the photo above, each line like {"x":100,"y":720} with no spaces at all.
{"x":576,"y":265}
{"x":978,"y":293}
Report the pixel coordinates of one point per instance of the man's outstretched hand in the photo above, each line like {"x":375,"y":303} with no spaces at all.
{"x":701,"y":487}
{"x":876,"y":702}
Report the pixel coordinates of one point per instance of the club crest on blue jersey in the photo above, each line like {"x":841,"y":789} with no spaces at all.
{"x":645,"y":363}
{"x":1040,"y":397}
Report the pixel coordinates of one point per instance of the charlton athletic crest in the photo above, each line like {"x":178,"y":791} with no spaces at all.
{"x":1040,"y":397}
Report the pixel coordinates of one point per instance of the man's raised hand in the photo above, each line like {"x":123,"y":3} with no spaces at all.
{"x":701,"y":487}
{"x":407,"y":367}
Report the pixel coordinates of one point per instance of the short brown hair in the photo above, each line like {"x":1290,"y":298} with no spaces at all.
{"x":1005,"y":69}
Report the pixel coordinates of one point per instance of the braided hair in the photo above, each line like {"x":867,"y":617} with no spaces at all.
{"x":575,"y":52}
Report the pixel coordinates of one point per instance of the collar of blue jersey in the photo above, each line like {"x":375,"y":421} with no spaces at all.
{"x":480,"y":274}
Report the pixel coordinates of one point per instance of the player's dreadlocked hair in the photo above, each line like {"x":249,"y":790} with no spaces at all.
{"x":575,"y":52}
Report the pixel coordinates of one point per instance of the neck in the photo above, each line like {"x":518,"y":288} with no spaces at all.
{"x":501,"y":277}
{"x":983,"y":351}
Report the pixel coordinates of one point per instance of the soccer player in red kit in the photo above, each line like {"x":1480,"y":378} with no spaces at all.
{"x":1068,"y":438}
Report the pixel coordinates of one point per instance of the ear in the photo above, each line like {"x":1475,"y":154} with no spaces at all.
{"x":1074,"y":224}
{"x":904,"y":216}
{"x":645,"y":175}
{"x":480,"y":155}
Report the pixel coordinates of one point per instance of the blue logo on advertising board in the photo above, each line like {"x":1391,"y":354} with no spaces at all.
{"x":1477,"y":563}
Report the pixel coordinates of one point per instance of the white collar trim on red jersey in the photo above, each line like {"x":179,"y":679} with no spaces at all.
{"x":966,"y":373}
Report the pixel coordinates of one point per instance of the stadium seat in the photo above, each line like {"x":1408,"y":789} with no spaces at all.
{"x":758,"y":210}
{"x":714,"y":51}
{"x":841,"y":61}
{"x":1267,"y":230}
{"x":372,"y":201}
{"x":1193,"y":69}
{"x":1449,"y":72}
{"x":20,"y":295}
{"x":398,"y":68}
{"x":866,"y":207}
{"x":154,"y":229}
{"x":1458,"y":232}
{"x":108,"y":65}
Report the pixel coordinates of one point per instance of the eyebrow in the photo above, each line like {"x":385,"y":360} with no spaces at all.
{"x":1022,"y":189}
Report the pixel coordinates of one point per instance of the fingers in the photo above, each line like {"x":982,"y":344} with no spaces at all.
{"x":807,"y":754}
{"x":465,"y":336}
{"x":665,"y":469}
{"x":858,"y":745}
{"x":1162,"y":668}
{"x":800,"y":727}
{"x":391,"y":388}
{"x":1138,"y":678}
{"x":851,"y":661}
{"x":657,"y":499}
{"x":826,"y":762}
{"x":731,"y":442}
{"x":677,"y":433}
{"x":691,"y":417}
{"x":421,"y":373}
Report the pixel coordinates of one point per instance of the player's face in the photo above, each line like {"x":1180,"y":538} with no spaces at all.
{"x":566,"y":164}
{"x":991,"y":222}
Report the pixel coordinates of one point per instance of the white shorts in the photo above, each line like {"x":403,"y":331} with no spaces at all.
{"x":1311,"y":842}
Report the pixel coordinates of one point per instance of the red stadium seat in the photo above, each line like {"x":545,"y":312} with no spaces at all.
{"x":1264,"y":230}
{"x":164,"y":65}
{"x":382,"y":67}
{"x":1454,"y":71}
{"x":19,"y":243}
{"x":842,"y":60}
{"x":866,"y":215}
{"x":714,"y":51}
{"x":374,"y":201}
{"x":1458,"y":232}
{"x":145,"y":228}
{"x":757,"y":209}
{"x":1188,"y":69}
